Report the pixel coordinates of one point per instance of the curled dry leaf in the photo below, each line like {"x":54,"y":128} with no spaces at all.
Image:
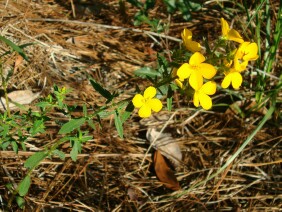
{"x":22,"y":97}
{"x":165,"y":143}
{"x":164,"y":173}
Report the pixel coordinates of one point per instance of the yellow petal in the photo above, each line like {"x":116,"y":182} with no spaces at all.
{"x":235,"y":36}
{"x":208,"y":71}
{"x":144,"y":111}
{"x":150,"y":92}
{"x":237,"y":80}
{"x":138,"y":101}
{"x":208,"y":88}
{"x":186,"y":34}
{"x":192,"y":46}
{"x":179,"y":83}
{"x":196,"y":80}
{"x":224,"y":27}
{"x":184,"y":71}
{"x":155,"y":104}
{"x":196,"y":99}
{"x":243,"y":46}
{"x":251,"y":52}
{"x":196,"y":59}
{"x":240,"y":66}
{"x":205,"y":101}
{"x":226,"y":81}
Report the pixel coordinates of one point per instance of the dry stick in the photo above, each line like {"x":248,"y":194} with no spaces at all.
{"x":259,"y":164}
{"x":157,"y":137}
{"x":105,"y":27}
{"x":73,"y":9}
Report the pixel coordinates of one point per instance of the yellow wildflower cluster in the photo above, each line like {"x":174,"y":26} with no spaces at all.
{"x":196,"y":70}
{"x":197,"y":74}
{"x":246,"y":52}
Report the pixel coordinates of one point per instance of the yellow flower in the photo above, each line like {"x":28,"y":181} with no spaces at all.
{"x":230,"y":34}
{"x":196,"y":70}
{"x":192,"y":46}
{"x":232,"y":77}
{"x":247,"y":51}
{"x":201,"y":95}
{"x":147,"y":102}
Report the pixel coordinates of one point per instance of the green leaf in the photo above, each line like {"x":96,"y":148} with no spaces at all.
{"x":71,"y":125}
{"x":24,"y":186}
{"x":21,"y":46}
{"x":85,"y":138}
{"x":38,"y":127}
{"x":104,"y":114}
{"x":147,"y":72}
{"x":84,"y":110}
{"x":105,"y":93}
{"x":35,"y":159}
{"x":5,"y":144}
{"x":60,"y":154}
{"x":14,"y":47}
{"x":118,"y":124}
{"x":170,"y":5}
{"x":169,"y":98}
{"x":127,"y":112}
{"x":76,"y":148}
{"x":91,"y":124}
{"x":15,"y":146}
{"x":4,"y":130}
{"x":23,"y":146}
{"x":43,"y":104}
{"x":20,"y":201}
{"x":10,"y":187}
{"x":169,"y":103}
{"x":149,"y":4}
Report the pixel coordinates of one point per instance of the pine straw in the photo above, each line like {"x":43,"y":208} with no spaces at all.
{"x":108,"y":171}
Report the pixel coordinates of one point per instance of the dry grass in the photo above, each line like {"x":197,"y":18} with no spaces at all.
{"x":108,"y":170}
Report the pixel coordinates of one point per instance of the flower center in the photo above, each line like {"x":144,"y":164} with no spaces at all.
{"x":195,"y":67}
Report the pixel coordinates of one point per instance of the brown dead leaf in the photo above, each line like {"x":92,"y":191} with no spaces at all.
{"x":169,"y":148}
{"x":164,"y":173}
{"x":18,"y":61}
{"x":22,"y":97}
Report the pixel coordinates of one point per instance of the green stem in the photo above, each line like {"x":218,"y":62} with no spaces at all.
{"x":4,"y":84}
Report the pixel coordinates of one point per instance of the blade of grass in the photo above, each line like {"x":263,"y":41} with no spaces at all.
{"x":14,"y":47}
